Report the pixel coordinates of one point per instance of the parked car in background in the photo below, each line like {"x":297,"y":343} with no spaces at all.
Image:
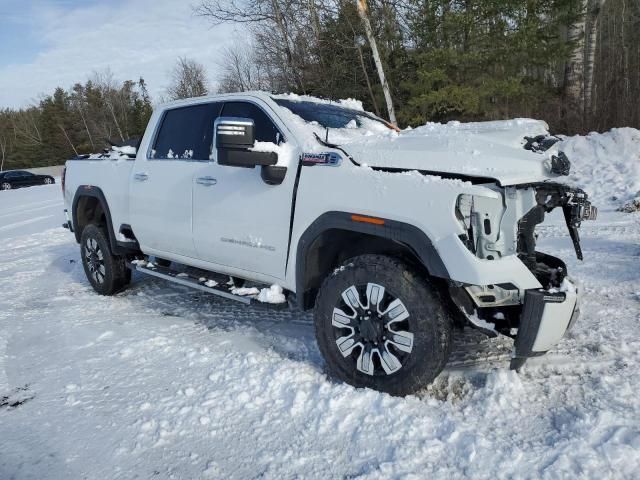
{"x":21,"y":178}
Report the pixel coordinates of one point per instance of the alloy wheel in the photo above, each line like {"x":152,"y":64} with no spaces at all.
{"x":94,"y":258}
{"x":378,"y":337}
{"x":6,"y":186}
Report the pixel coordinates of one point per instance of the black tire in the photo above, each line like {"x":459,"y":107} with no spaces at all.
{"x":5,"y":186}
{"x":107,"y":273}
{"x":428,"y":321}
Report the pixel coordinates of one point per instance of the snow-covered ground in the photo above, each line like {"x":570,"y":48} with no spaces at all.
{"x":162,"y":382}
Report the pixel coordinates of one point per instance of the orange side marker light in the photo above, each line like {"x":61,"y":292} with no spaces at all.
{"x":363,"y":219}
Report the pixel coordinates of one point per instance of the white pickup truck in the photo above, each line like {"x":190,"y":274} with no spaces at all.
{"x":394,"y":237}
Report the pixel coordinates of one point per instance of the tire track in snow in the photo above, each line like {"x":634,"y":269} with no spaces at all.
{"x":31,"y":210}
{"x":11,"y":226}
{"x":22,"y":207}
{"x":4,"y":383}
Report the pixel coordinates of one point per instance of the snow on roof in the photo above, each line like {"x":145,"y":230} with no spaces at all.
{"x":350,"y":103}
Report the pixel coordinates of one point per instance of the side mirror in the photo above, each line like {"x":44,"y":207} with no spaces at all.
{"x":235,"y":132}
{"x":234,"y":137}
{"x":272,"y":174}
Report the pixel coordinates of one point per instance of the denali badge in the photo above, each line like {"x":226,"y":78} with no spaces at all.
{"x":329,"y":158}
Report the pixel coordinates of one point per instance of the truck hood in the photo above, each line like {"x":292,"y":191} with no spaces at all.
{"x":492,"y":150}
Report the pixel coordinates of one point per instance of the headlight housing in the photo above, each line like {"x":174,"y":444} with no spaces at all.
{"x":464,"y":213}
{"x":480,"y":217}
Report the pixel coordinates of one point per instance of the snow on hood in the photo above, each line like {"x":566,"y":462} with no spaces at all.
{"x":491,"y":150}
{"x":484,"y":149}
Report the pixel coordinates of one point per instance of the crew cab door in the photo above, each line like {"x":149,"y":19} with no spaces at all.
{"x":161,"y":183}
{"x":239,"y":221}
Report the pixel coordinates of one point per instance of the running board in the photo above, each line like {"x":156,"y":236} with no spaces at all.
{"x":187,"y":281}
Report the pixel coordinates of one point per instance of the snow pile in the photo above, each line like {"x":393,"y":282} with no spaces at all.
{"x":273,"y":294}
{"x":606,"y":165}
{"x":115,"y":153}
{"x":350,"y":103}
{"x":285,"y":151}
{"x":245,"y":291}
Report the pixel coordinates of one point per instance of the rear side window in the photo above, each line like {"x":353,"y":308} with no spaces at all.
{"x":266,"y":131}
{"x":186,"y":133}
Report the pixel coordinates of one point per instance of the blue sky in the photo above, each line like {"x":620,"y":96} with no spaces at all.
{"x":44,"y":44}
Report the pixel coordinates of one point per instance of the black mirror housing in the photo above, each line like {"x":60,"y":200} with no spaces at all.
{"x":235,"y":137}
{"x":273,"y":175}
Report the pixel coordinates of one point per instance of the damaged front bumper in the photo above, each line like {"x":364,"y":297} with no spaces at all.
{"x":548,"y":313}
{"x":546,"y":316}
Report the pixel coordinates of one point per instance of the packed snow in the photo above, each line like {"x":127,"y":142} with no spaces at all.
{"x":285,"y":151}
{"x":349,"y":103}
{"x":609,"y":163}
{"x":161,"y":381}
{"x":115,"y":153}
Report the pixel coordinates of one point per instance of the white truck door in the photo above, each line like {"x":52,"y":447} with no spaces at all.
{"x":161,"y":183}
{"x":238,"y":220}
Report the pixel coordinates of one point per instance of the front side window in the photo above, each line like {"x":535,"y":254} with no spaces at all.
{"x":266,"y":131}
{"x":186,"y":133}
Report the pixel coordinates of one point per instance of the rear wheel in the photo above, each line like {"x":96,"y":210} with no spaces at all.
{"x":382,"y":326}
{"x":107,"y":273}
{"x":48,"y":181}
{"x":5,"y":186}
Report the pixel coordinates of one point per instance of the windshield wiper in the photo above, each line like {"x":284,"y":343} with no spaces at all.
{"x":325,"y":142}
{"x":337,"y":147}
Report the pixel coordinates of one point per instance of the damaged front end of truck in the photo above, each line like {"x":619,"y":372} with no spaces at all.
{"x":536,"y":318}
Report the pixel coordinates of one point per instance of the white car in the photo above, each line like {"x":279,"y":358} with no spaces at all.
{"x":394,"y":237}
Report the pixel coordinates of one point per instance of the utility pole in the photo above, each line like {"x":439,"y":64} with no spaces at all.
{"x":362,"y":11}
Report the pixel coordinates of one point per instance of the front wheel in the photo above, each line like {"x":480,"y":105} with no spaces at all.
{"x":107,"y":273}
{"x":381,"y":325}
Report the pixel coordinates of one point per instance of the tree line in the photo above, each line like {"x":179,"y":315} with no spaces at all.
{"x":573,"y":63}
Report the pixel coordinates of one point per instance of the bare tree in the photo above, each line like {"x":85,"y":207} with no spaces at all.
{"x":25,"y":126}
{"x":574,"y":68}
{"x":362,"y":11}
{"x":105,"y":82}
{"x":188,"y":79}
{"x":3,"y":149}
{"x":242,"y":70}
{"x":595,"y":6}
{"x":280,"y":27}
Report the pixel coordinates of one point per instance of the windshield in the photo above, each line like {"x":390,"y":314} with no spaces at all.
{"x":332,"y":116}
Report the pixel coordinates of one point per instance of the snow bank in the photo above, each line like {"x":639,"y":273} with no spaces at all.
{"x":606,"y":165}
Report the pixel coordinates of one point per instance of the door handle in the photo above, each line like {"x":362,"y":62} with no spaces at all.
{"x":141,"y":177}
{"x":206,"y":181}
